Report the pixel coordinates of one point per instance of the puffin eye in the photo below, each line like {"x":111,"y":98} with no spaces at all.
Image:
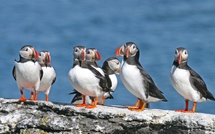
{"x":76,"y":50}
{"x":134,"y":46}
{"x":88,"y":52}
{"x":185,"y":52}
{"x":117,"y":63}
{"x":26,"y":49}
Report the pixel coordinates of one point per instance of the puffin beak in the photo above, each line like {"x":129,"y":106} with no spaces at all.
{"x":35,"y":54}
{"x":83,"y":55}
{"x":127,"y":53}
{"x":120,"y":51}
{"x":48,"y":58}
{"x":98,"y":56}
{"x":117,"y":71}
{"x":180,"y":58}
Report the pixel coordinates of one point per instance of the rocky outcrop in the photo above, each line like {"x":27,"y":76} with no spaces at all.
{"x":50,"y":117}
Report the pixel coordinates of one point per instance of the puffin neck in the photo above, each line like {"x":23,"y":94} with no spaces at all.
{"x":182,"y":65}
{"x":22,"y":60}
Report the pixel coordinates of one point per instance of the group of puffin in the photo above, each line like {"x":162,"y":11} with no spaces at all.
{"x":33,"y":71}
{"x":93,"y":84}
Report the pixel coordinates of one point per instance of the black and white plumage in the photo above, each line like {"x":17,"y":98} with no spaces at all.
{"x":87,"y":80}
{"x":49,"y":74}
{"x":187,"y":82}
{"x":111,"y":66}
{"x":136,"y":79}
{"x":27,"y":72}
{"x":92,"y":55}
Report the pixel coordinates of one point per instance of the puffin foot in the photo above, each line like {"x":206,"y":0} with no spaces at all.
{"x":136,"y":109}
{"x":185,"y":111}
{"x":33,"y":97}
{"x":81,"y":105}
{"x":140,"y":108}
{"x":22,"y":99}
{"x":132,"y":107}
{"x":93,"y":104}
{"x":90,"y":106}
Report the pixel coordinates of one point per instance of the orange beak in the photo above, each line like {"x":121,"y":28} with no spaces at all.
{"x":48,"y":58}
{"x":120,"y":51}
{"x":179,"y":58}
{"x":98,"y":56}
{"x":83,"y":55}
{"x":35,"y":54}
{"x":127,"y":53}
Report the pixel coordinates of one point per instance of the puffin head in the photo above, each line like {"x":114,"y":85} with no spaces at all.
{"x":114,"y":64}
{"x":79,"y":53}
{"x":44,"y":57}
{"x":92,"y":54}
{"x":129,"y":49}
{"x":28,"y":52}
{"x":181,"y":55}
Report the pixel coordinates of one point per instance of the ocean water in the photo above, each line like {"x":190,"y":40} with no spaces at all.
{"x":157,"y":27}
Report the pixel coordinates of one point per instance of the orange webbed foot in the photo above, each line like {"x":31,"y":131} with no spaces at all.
{"x":135,"y":109}
{"x":185,"y":111}
{"x":81,"y":105}
{"x":90,"y":106}
{"x":131,"y":107}
{"x":22,"y":99}
{"x":33,"y":99}
{"x":93,"y":104}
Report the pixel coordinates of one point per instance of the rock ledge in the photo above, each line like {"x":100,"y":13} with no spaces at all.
{"x":50,"y":117}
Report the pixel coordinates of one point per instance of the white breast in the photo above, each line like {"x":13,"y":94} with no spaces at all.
{"x":180,"y":81}
{"x":132,"y":80}
{"x":28,"y":75}
{"x":47,"y":79}
{"x":84,"y":81}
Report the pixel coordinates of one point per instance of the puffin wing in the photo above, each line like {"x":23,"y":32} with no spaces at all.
{"x":199,"y":84}
{"x":54,"y":80}
{"x":149,"y":84}
{"x":77,"y":97}
{"x":102,"y":80}
{"x":14,"y":72}
{"x":41,"y":74}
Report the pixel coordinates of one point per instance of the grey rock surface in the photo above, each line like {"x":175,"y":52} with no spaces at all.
{"x":49,"y":117}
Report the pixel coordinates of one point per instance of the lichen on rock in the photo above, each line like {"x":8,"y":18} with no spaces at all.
{"x":49,"y":117}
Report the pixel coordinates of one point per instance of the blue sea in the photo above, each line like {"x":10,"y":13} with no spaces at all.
{"x":158,"y":27}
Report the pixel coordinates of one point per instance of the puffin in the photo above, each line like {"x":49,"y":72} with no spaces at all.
{"x":187,"y":82}
{"x":136,"y":79}
{"x":110,"y":67}
{"x":92,"y":56}
{"x":27,"y":71}
{"x":86,"y":79}
{"x":49,"y":74}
